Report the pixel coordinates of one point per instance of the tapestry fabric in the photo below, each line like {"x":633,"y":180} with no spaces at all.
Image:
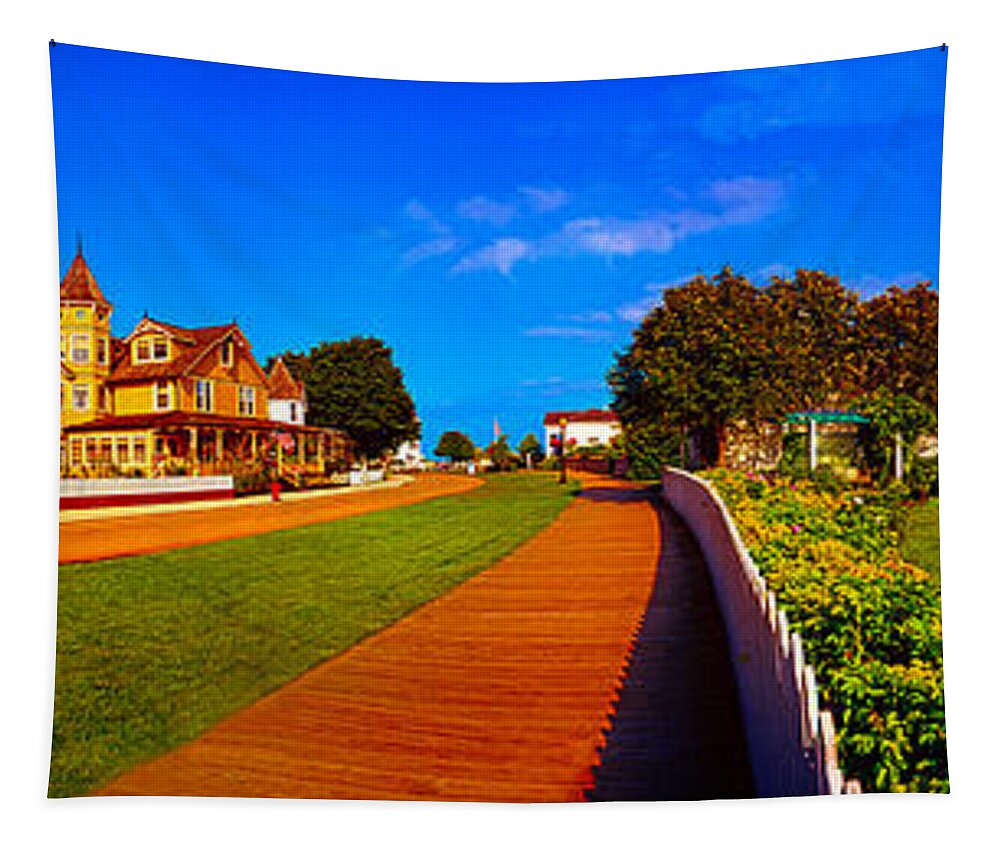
{"x":535,"y":442}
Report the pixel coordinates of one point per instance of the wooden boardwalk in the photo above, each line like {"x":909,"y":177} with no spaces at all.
{"x":143,"y":533}
{"x":676,"y":731}
{"x":497,"y":691}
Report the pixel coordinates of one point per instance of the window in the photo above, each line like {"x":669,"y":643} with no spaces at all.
{"x":293,"y":411}
{"x":161,"y":351}
{"x":62,"y":347}
{"x":226,"y":353}
{"x":203,"y":395}
{"x":139,"y":452}
{"x":247,"y":399}
{"x":81,"y":314}
{"x":75,"y":452}
{"x":80,"y":348}
{"x":81,"y":397}
{"x":141,"y":351}
{"x":102,"y":350}
{"x":161,"y":396}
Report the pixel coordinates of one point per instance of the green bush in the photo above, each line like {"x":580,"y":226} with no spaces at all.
{"x":870,"y":622}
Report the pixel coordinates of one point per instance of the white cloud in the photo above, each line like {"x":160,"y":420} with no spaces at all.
{"x":482,"y":209}
{"x":430,"y":248}
{"x":568,"y":332}
{"x":636,"y":311}
{"x":586,"y":317}
{"x":544,"y":200}
{"x":500,"y":255}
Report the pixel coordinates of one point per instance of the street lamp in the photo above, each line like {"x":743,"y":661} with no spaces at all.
{"x":562,"y":451}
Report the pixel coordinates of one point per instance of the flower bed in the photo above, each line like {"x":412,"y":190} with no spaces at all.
{"x":870,"y":622}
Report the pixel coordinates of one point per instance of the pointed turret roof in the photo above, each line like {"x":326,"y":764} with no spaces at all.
{"x":79,"y":284}
{"x":281,"y":385}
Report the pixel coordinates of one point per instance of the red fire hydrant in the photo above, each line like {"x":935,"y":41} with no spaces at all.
{"x":276,"y":491}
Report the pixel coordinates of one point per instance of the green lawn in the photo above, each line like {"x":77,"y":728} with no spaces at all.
{"x":153,"y":650}
{"x":921,"y":537}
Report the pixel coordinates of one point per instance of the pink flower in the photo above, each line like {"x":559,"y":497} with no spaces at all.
{"x":796,"y":529}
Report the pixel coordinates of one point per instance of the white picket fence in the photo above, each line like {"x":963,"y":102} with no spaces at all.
{"x":791,"y":743}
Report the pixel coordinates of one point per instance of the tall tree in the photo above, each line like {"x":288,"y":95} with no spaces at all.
{"x":353,"y":385}
{"x":530,"y":449}
{"x":500,"y":453}
{"x":456,"y":446}
{"x":898,"y":341}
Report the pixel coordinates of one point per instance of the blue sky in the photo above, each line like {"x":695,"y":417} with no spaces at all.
{"x":503,"y":239}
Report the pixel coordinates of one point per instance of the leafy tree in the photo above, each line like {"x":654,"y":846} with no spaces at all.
{"x":353,"y":385}
{"x":721,"y":351}
{"x":898,"y":336}
{"x":500,"y":453}
{"x":895,"y":420}
{"x":456,"y":446}
{"x":811,"y":331}
{"x":530,"y":449}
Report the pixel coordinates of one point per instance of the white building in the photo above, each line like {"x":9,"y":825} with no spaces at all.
{"x":409,"y":456}
{"x":286,"y":401}
{"x":596,"y":427}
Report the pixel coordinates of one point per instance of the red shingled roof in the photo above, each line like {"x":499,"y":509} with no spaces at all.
{"x":281,"y":384}
{"x":191,"y":345}
{"x":594,"y":415}
{"x":79,"y":284}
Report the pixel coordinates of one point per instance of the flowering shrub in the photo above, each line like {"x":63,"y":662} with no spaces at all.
{"x":870,"y":623}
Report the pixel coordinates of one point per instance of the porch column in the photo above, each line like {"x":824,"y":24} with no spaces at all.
{"x":320,"y":449}
{"x":218,"y":445}
{"x":192,"y":443}
{"x":813,"y":452}
{"x":253,"y":446}
{"x":300,"y":445}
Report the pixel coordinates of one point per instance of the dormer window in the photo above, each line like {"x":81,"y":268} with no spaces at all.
{"x":226,"y":353}
{"x":161,"y":351}
{"x":148,"y":349}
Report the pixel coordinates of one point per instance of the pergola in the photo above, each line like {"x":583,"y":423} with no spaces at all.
{"x":816,"y":418}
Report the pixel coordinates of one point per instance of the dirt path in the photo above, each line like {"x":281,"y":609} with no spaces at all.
{"x":497,"y":691}
{"x":110,"y":537}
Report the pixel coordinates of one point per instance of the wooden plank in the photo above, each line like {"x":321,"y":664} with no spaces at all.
{"x":497,"y":691}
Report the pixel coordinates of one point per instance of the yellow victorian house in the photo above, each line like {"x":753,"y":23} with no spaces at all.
{"x":166,"y":398}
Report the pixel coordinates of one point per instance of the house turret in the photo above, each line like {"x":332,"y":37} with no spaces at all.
{"x":84,"y":345}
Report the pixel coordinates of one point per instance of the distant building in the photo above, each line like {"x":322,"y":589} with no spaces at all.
{"x":596,"y":427}
{"x":286,"y":401}
{"x":409,"y":456}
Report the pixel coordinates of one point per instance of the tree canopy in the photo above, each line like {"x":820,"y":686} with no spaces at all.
{"x":353,"y":385}
{"x":722,"y":350}
{"x":456,"y":446}
{"x":530,"y":447}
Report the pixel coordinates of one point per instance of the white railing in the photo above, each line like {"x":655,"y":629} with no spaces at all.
{"x":791,"y":743}
{"x":167,"y":485}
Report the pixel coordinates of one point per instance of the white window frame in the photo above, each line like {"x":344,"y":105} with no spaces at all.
{"x":137,"y":356}
{"x":80,"y":391}
{"x":247,"y":400}
{"x":203,"y":395}
{"x":159,"y":341}
{"x":75,"y":349}
{"x":157,"y":386}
